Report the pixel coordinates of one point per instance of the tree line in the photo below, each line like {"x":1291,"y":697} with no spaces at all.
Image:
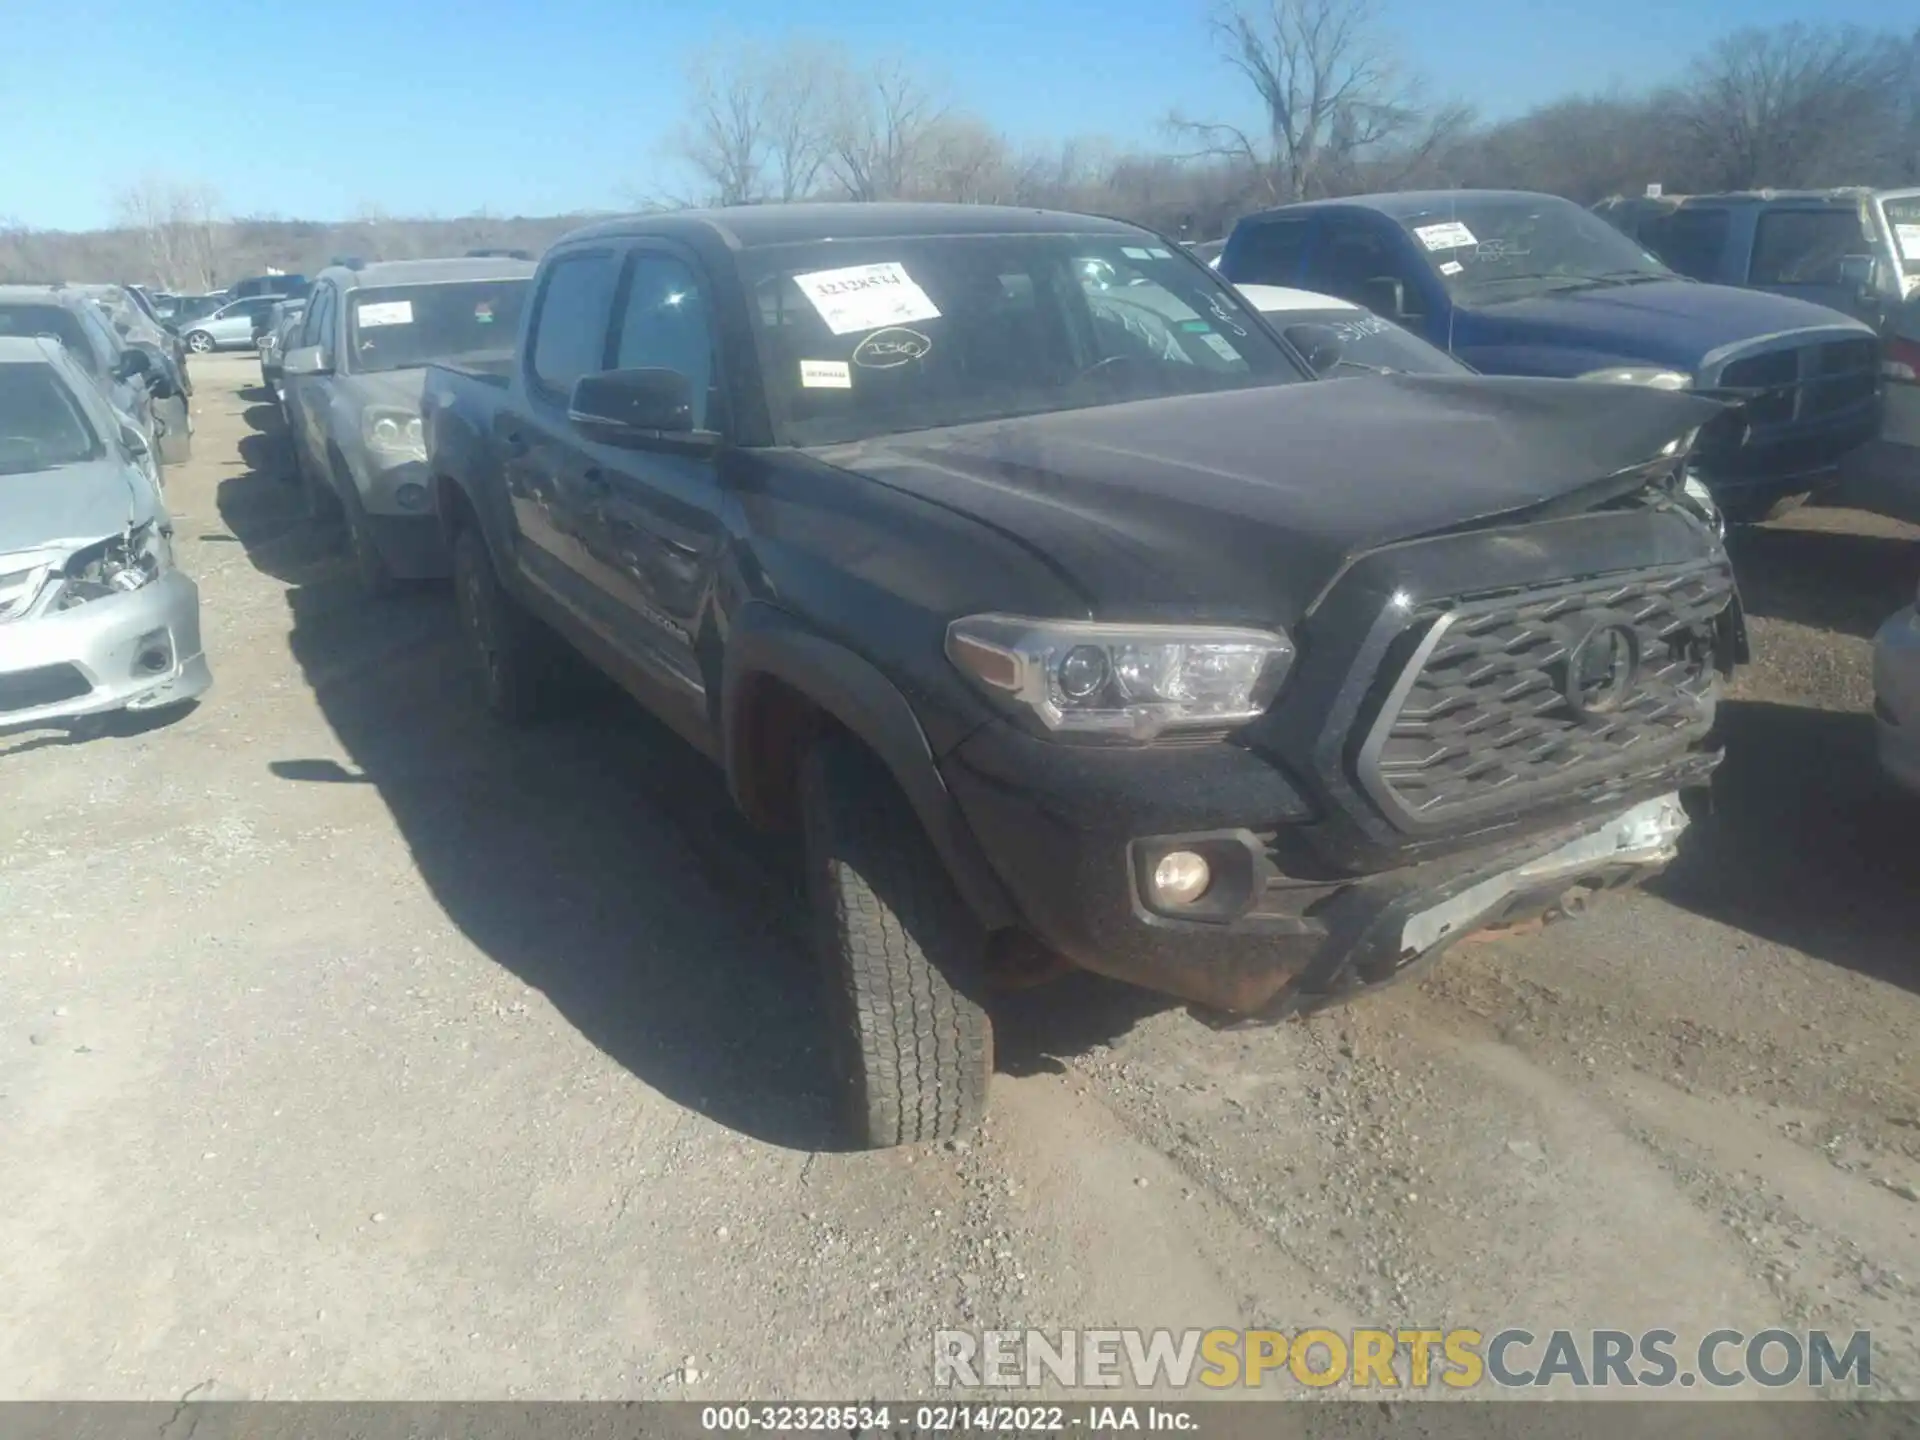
{"x":1327,"y":105}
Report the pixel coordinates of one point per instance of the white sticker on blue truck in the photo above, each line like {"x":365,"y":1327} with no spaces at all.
{"x":1447,"y":235}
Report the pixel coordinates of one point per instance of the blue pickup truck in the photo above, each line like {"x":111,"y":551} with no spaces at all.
{"x":1523,"y":284}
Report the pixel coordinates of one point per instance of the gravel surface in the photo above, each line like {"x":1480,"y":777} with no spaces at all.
{"x":352,"y":1047}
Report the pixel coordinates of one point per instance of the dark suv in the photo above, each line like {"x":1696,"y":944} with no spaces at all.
{"x":1020,"y":566}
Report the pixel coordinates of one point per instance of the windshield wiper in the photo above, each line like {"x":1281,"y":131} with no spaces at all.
{"x":1362,"y":365}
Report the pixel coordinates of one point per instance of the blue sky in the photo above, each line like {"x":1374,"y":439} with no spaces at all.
{"x":432,"y":107}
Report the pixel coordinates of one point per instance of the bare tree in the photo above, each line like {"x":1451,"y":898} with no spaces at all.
{"x":882,"y":120}
{"x":1331,"y":93}
{"x":177,"y":220}
{"x":724,"y":138}
{"x":1796,"y":105}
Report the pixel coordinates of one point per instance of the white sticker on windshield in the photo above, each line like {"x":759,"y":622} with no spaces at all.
{"x":865,"y":297}
{"x":1160,"y":252}
{"x":1451,"y":267}
{"x":1135,"y":252}
{"x":1220,"y":346}
{"x":826,"y":375}
{"x":385,"y":312}
{"x":1909,"y":238}
{"x":1448,"y":235}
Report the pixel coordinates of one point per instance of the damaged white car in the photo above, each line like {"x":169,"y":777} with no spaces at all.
{"x":98,"y":628}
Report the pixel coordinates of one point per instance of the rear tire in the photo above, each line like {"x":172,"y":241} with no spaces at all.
{"x":903,"y":960}
{"x":512,"y":651}
{"x":199,"y":342}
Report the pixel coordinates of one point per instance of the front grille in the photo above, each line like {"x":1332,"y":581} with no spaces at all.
{"x":1502,"y":701}
{"x":46,"y":685}
{"x":1807,"y":382}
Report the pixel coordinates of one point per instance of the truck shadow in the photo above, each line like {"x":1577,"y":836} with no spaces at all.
{"x":1810,"y":845}
{"x":595,"y":856}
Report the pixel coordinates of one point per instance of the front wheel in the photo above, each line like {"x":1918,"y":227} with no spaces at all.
{"x":510,"y":649}
{"x":199,"y":341}
{"x":902,"y":958}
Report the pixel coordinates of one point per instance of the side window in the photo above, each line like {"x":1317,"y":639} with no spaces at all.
{"x":1358,"y":261}
{"x":1269,"y":253}
{"x":1805,"y":247}
{"x":319,"y":316}
{"x":665,"y":327}
{"x":570,"y":327}
{"x":1690,"y":241}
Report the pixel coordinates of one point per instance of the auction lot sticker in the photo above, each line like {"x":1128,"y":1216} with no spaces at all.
{"x":866,"y":297}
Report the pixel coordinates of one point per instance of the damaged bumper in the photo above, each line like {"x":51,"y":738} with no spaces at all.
{"x":136,"y":651}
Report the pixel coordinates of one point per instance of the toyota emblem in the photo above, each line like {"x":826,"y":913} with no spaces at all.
{"x":1601,"y":670}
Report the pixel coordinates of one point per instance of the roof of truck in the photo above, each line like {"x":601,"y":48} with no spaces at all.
{"x":747,"y":227}
{"x":1839,"y":194}
{"x":424,"y":272}
{"x":1402,"y":203}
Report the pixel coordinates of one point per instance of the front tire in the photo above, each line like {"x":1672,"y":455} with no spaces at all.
{"x":199,"y":342}
{"x":510,"y":649}
{"x":902,"y":957}
{"x":377,"y":580}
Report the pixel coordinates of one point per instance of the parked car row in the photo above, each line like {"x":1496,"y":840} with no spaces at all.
{"x":1035,"y":577}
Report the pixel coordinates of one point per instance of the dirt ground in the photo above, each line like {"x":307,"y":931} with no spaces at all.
{"x":352,"y":1047}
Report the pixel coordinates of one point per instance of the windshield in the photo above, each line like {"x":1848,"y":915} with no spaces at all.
{"x":41,"y":426}
{"x":1904,"y":216}
{"x":56,"y":321}
{"x":878,"y":337}
{"x":1352,"y":342}
{"x":402,"y":327}
{"x":1489,"y":248}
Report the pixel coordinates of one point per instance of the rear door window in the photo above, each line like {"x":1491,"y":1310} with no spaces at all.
{"x":1269,"y":253}
{"x":1691,"y":241}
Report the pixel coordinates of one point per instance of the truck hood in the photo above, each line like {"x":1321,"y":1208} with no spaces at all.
{"x":72,"y":506}
{"x":1667,"y":322}
{"x":1247,"y":503}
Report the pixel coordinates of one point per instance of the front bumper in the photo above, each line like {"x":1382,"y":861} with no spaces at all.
{"x":396,"y":507}
{"x":124,"y":652}
{"x":1768,"y":462}
{"x":1896,"y":697}
{"x":1281,"y":930}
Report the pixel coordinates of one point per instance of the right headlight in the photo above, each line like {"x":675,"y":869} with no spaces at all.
{"x":1649,"y":375}
{"x":1130,"y":680}
{"x":393,"y":434}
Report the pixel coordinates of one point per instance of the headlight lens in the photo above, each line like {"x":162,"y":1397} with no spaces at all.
{"x":114,"y":567}
{"x":1648,"y":375}
{"x":1128,"y":680}
{"x":394,"y":434}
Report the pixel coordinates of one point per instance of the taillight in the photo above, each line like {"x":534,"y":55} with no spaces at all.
{"x":1901,"y":360}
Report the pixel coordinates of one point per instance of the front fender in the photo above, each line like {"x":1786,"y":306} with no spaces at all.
{"x":764,"y":641}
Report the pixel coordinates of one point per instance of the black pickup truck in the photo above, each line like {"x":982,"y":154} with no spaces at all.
{"x":1018,"y":565}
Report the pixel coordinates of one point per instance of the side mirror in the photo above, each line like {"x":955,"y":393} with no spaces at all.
{"x":134,"y":441}
{"x":1858,"y":272}
{"x":1319,"y":343}
{"x":1384,"y":296}
{"x":625,"y":406}
{"x":306,"y":360}
{"x":132,"y":364}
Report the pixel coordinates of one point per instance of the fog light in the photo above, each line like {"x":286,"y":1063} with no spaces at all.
{"x":1181,"y":877}
{"x":153,"y":653}
{"x":410,"y":496}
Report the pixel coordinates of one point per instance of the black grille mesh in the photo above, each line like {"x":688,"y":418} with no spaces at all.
{"x":1486,"y":719}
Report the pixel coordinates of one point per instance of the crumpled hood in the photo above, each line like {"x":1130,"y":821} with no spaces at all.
{"x":397,"y":388}
{"x":1251,"y":501}
{"x":72,"y":506}
{"x":1665,"y":322}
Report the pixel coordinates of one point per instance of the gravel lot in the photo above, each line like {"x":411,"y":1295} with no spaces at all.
{"x":354,"y":1048}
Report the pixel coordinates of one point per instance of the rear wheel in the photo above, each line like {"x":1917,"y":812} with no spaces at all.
{"x":903,"y":960}
{"x":513,"y":653}
{"x":199,"y":341}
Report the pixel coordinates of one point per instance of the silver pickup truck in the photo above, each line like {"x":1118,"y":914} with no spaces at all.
{"x":351,"y":378}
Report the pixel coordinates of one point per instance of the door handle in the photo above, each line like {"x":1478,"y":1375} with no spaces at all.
{"x":514,"y":443}
{"x":594,"y":480}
